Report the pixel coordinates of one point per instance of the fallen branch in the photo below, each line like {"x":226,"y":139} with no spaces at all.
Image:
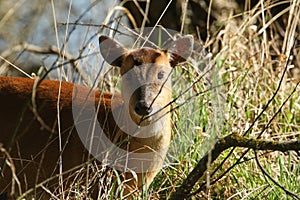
{"x":232,"y":140}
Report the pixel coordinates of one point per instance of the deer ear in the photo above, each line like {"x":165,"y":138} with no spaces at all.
{"x":180,"y":49}
{"x":112,"y":51}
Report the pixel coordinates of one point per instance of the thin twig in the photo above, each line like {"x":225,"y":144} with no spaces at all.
{"x":273,"y":180}
{"x":11,"y":165}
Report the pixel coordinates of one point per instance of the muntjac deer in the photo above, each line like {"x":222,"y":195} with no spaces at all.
{"x":38,"y":143}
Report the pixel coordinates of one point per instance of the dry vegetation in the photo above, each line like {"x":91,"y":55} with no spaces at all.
{"x":248,"y":86}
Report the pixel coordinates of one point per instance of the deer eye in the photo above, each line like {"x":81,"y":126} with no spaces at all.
{"x":160,"y":75}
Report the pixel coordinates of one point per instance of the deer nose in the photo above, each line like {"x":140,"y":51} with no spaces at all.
{"x":142,"y":108}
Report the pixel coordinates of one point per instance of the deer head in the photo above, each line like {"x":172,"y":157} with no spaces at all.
{"x":146,"y":74}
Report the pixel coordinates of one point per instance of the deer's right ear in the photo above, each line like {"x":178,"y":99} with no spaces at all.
{"x":112,"y":51}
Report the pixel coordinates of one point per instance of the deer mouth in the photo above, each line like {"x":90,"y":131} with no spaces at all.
{"x":149,"y":115}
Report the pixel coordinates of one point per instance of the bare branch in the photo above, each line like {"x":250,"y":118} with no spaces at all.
{"x":48,"y":51}
{"x":39,"y":50}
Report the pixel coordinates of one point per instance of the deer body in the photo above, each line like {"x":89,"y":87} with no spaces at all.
{"x":138,"y":120}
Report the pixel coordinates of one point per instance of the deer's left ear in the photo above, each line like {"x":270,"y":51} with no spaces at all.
{"x":180,"y":49}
